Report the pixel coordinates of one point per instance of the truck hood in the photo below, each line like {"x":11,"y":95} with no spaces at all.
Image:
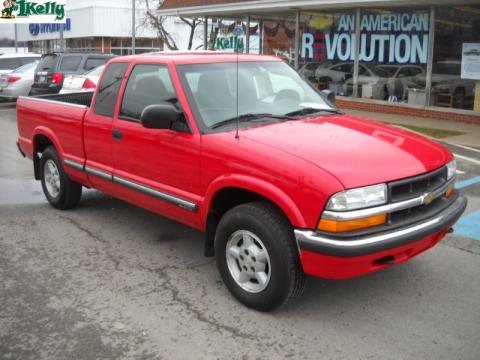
{"x":357,"y":151}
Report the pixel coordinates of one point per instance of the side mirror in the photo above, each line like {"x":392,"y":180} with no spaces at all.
{"x":160,"y":116}
{"x":330,"y":95}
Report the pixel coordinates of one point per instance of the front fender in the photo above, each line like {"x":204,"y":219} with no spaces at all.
{"x":258,"y":186}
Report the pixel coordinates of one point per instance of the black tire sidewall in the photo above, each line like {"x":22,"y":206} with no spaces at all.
{"x":278,"y":287}
{"x":59,"y":200}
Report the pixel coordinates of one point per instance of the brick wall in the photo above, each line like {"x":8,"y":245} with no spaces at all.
{"x":403,"y":109}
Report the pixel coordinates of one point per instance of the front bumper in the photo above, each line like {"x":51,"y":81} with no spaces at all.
{"x":377,"y":249}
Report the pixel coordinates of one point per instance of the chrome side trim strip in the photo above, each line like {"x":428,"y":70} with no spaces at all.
{"x":388,"y":208}
{"x":185,"y":204}
{"x":73,"y":164}
{"x":53,"y":101}
{"x":98,"y":173}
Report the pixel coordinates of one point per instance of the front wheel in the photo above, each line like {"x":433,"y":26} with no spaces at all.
{"x":257,"y":256}
{"x":61,"y":192}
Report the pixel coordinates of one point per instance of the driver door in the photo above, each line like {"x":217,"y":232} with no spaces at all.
{"x":160,"y":168}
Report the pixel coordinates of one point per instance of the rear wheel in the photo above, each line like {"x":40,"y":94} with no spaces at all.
{"x":257,"y":256}
{"x":61,"y":192}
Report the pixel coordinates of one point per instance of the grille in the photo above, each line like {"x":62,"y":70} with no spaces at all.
{"x":413,"y":187}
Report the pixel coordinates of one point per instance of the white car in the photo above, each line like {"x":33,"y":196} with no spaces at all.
{"x":17,"y":83}
{"x":80,"y":83}
{"x":10,"y":62}
{"x":399,"y":76}
{"x":446,"y":79}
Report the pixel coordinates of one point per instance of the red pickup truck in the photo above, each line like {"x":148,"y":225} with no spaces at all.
{"x":241,"y":147}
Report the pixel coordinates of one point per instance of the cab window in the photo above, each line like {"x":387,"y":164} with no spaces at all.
{"x":108,"y":89}
{"x":147,"y":85}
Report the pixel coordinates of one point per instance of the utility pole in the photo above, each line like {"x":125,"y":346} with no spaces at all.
{"x":16,"y":39}
{"x":133,"y":27}
{"x":61,"y":37}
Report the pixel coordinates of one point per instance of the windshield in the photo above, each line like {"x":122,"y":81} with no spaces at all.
{"x":447,"y":68}
{"x":27,"y":67}
{"x":263,"y":88}
{"x":47,"y":62}
{"x":387,"y":71}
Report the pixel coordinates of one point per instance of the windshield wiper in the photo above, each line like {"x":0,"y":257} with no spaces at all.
{"x":248,"y":117}
{"x":310,"y":110}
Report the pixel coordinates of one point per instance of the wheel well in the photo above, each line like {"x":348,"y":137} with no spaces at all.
{"x":40,"y":143}
{"x":224,"y":200}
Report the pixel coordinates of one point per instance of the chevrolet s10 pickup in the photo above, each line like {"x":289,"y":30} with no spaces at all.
{"x":242,"y":148}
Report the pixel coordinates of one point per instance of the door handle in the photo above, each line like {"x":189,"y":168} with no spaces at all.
{"x":117,"y":135}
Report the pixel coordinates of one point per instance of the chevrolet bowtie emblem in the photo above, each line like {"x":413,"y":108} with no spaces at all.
{"x":428,"y":198}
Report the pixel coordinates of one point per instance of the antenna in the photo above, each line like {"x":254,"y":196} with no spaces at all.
{"x":238,"y":120}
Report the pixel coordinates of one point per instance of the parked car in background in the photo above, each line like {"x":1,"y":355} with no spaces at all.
{"x":335,"y":73}
{"x":309,"y":69}
{"x":446,"y":80}
{"x":399,"y":76}
{"x":53,"y":68}
{"x":376,"y":79}
{"x":84,"y":82}
{"x":17,"y":83}
{"x":10,"y":62}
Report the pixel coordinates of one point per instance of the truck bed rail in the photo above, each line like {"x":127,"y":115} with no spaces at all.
{"x":80,"y":98}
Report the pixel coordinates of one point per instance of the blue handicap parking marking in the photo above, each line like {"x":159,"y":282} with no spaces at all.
{"x":469,"y":226}
{"x":468,"y":182}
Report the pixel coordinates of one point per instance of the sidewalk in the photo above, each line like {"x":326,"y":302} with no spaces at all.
{"x":470,"y":138}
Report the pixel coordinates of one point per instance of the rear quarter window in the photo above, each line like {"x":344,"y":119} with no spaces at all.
{"x":70,"y":63}
{"x":108,"y":89}
{"x":92,"y":63}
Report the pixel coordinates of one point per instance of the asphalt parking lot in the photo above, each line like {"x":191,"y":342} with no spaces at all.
{"x":110,"y":281}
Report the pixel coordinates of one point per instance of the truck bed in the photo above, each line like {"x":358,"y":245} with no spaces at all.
{"x":57,"y":117}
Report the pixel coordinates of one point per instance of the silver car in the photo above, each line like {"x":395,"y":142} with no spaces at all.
{"x":18,"y":82}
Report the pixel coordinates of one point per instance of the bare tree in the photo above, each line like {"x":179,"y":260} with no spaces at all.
{"x":160,"y":24}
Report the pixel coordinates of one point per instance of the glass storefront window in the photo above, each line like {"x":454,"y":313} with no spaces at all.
{"x":393,"y":55}
{"x":327,"y":49}
{"x":230,"y":35}
{"x":279,"y":38}
{"x":454,"y":27}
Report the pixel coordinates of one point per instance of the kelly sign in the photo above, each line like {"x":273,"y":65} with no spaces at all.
{"x":384,"y":38}
{"x":38,"y":11}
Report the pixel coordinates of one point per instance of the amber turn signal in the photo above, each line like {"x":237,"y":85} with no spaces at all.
{"x":449,"y":192}
{"x":336,"y":226}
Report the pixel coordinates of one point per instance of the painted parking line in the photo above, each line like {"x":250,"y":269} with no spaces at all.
{"x":475,"y":161}
{"x":467,"y":148}
{"x":468,"y":182}
{"x":469,"y":226}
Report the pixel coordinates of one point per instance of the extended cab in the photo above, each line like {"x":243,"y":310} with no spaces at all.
{"x":282,"y":183}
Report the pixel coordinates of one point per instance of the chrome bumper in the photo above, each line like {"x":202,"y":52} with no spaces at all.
{"x":369,"y":244}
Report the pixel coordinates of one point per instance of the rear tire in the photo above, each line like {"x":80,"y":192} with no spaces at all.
{"x":61,"y":192}
{"x":257,"y":256}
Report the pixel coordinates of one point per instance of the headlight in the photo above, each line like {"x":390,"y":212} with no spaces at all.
{"x":358,"y":198}
{"x":452,"y":169}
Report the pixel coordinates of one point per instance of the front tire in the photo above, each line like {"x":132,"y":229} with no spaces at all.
{"x":257,"y":256}
{"x":61,"y":192}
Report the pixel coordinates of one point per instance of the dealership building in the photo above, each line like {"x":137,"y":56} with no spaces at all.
{"x":93,"y":26}
{"x":396,"y":56}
